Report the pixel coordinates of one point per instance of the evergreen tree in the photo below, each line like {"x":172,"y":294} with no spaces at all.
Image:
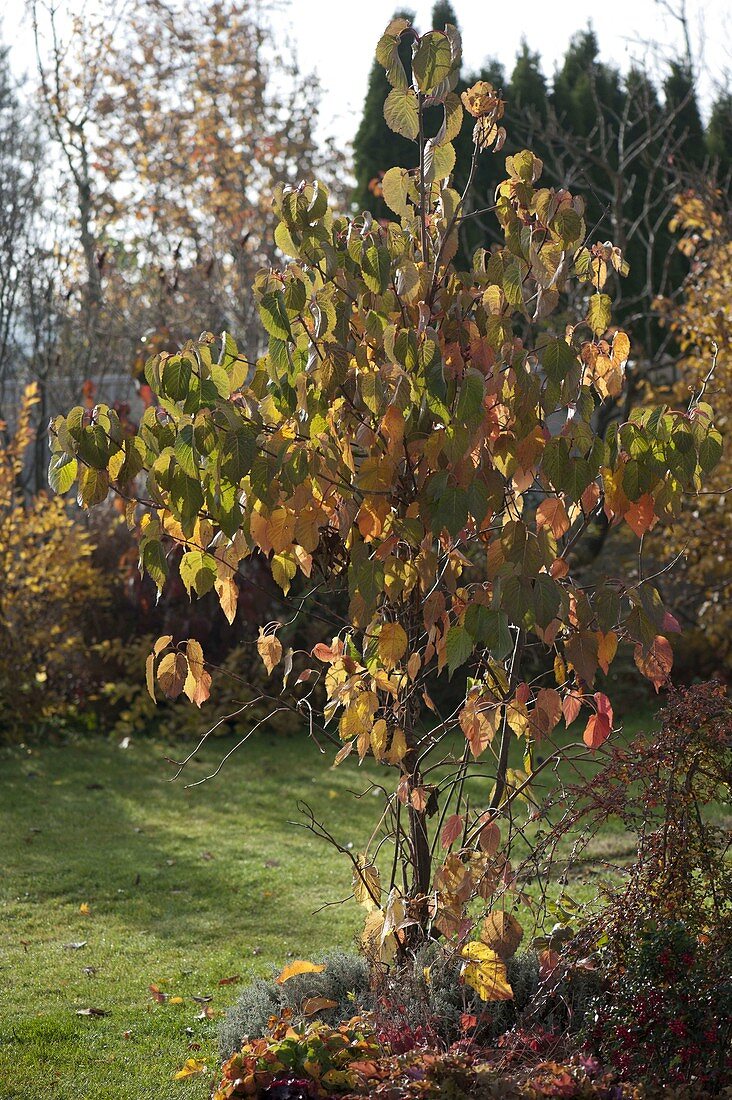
{"x":585,"y":84}
{"x":680,"y":91}
{"x":719,"y":135}
{"x":528,"y":89}
{"x":442,"y":14}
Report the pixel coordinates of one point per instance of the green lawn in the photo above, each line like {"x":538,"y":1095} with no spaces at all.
{"x":184,"y":887}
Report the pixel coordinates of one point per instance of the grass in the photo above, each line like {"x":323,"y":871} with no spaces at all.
{"x":185,"y":888}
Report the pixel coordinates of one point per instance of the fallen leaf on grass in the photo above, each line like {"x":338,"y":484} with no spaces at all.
{"x":190,"y":1069}
{"x":158,"y":994}
{"x":204,"y":999}
{"x":76,"y":946}
{"x":92,"y":1012}
{"x":299,"y":966}
{"x":176,"y":1001}
{"x":230,"y":981}
{"x":85,"y":908}
{"x":207,"y":1013}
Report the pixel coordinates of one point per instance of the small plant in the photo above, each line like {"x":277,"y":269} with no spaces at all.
{"x":332,"y":995}
{"x":299,"y":1062}
{"x":667,"y":1013}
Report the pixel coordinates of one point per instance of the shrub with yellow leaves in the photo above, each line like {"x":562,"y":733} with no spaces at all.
{"x":49,"y":583}
{"x":701,"y":323}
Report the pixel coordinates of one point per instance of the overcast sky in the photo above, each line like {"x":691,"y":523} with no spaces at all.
{"x":336,"y":38}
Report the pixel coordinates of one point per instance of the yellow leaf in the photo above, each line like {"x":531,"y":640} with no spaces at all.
{"x":392,"y":644}
{"x":379,"y":735}
{"x":366,"y":884}
{"x":398,"y":748}
{"x":176,"y":1001}
{"x":190,"y":1069}
{"x":299,"y":966}
{"x":269,"y":648}
{"x":85,"y":909}
{"x":485,"y":972}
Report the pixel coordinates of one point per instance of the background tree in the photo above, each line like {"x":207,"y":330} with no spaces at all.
{"x":20,"y":160}
{"x":170,"y":128}
{"x":701,"y":322}
{"x":393,"y":445}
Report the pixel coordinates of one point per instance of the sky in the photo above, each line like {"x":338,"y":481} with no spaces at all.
{"x":335,"y":39}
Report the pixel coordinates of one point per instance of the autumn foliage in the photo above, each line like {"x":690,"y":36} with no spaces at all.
{"x":49,"y":588}
{"x":415,"y":455}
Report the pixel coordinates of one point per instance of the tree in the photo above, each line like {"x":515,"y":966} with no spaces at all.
{"x":528,"y":87}
{"x":20,"y":156}
{"x":683,"y":109}
{"x":719,"y":136}
{"x":394,"y":444}
{"x":172,"y":126}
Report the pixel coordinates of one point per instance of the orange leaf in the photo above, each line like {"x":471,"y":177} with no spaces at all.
{"x":571,"y":706}
{"x":489,"y":837}
{"x":656,"y":662}
{"x":299,"y":966}
{"x":607,"y":647}
{"x":328,"y":653}
{"x":640,"y":516}
{"x":317,"y":1004}
{"x":552,"y":514}
{"x":452,"y":830}
{"x":418,"y":798}
{"x":600,"y":724}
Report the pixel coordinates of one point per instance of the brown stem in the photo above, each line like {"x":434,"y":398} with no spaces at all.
{"x":500,"y":786}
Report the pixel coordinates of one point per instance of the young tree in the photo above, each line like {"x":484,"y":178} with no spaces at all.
{"x":401,"y":442}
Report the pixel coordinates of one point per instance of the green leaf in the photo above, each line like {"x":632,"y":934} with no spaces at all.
{"x":450,"y":510}
{"x":469,"y":409}
{"x":546,"y":600}
{"x":453,"y":120}
{"x":184,"y":451}
{"x":489,"y":628}
{"x":198,"y":572}
{"x":432,"y":61}
{"x":557,"y":359}
{"x":599,"y":313}
{"x":176,"y":377}
{"x":237,"y":454}
{"x":710,"y":450}
{"x":93,"y":486}
{"x":375,"y":268}
{"x":62,"y":471}
{"x":458,"y":647}
{"x":274,"y":315}
{"x":401,"y":112}
{"x":155,"y":562}
{"x":395,"y":189}
{"x":94,"y":447}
